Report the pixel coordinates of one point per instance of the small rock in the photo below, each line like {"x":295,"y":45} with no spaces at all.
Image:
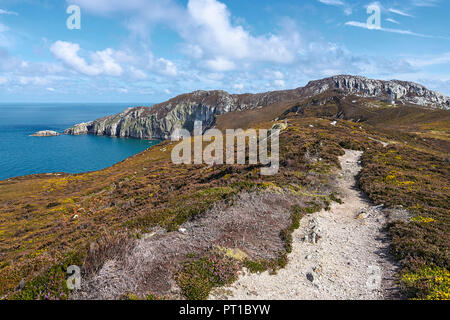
{"x":308,"y":257}
{"x":310,"y":276}
{"x":182,"y":230}
{"x":279,"y":126}
{"x":21,"y":284}
{"x":314,"y":237}
{"x":362,"y":215}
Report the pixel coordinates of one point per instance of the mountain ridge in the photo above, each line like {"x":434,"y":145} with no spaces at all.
{"x":159,"y":121}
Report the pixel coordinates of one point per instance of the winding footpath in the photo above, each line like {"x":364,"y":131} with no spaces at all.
{"x":337,"y":254}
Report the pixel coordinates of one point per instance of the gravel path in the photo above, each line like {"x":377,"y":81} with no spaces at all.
{"x":337,"y":254}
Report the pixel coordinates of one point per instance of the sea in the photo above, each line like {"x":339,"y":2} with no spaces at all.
{"x":21,"y":154}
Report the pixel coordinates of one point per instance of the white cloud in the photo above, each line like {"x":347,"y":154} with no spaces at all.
{"x":33,"y":80}
{"x":167,"y":67}
{"x":3,"y":80}
{"x":106,"y":7}
{"x":137,"y":73}
{"x":399,"y":31}
{"x":3,"y":28}
{"x":392,"y":20}
{"x":425,"y":3}
{"x":332,"y":2}
{"x":106,"y":62}
{"x":212,"y":23}
{"x":347,"y":8}
{"x":279,"y":83}
{"x":2,"y":11}
{"x":224,"y":45}
{"x":67,"y":52}
{"x":348,"y":11}
{"x":144,"y":12}
{"x":103,"y":62}
{"x":238,"y":86}
{"x":6,"y":38}
{"x":51,"y":89}
{"x":430,"y":60}
{"x":402,"y":13}
{"x":113,"y":63}
{"x":278,"y":75}
{"x":220,"y":64}
{"x":207,"y":30}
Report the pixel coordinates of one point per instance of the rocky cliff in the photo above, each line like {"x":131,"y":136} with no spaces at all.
{"x":394,"y":90}
{"x":159,"y":121}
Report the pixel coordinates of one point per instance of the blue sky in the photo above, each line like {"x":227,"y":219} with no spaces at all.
{"x":150,"y":50}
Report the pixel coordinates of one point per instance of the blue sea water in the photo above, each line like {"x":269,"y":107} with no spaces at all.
{"x":21,"y":154}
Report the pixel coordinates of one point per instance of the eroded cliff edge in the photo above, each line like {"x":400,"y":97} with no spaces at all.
{"x":159,"y":121}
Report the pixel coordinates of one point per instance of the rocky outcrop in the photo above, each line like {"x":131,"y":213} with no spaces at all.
{"x":45,"y":133}
{"x":394,"y":90}
{"x":159,"y":121}
{"x":79,"y":129}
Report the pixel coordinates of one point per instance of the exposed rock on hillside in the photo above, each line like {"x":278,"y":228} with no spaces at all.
{"x":161,"y":120}
{"x":79,"y":129}
{"x":402,"y":91}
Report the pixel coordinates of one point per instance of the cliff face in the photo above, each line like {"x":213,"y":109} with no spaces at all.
{"x":159,"y":121}
{"x":401,"y":91}
{"x":79,"y":129}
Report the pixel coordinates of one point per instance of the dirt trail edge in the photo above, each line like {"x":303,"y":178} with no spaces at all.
{"x":337,"y":254}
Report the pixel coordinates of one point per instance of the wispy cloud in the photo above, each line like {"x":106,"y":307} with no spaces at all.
{"x":347,"y":8}
{"x":425,"y":61}
{"x":399,"y":31}
{"x":332,"y":2}
{"x":3,"y":28}
{"x":2,"y":11}
{"x":425,"y":3}
{"x":392,"y":20}
{"x":399,"y":12}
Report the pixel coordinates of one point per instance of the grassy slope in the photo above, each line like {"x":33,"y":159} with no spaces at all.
{"x":38,"y":229}
{"x":419,"y":181}
{"x":39,"y":236}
